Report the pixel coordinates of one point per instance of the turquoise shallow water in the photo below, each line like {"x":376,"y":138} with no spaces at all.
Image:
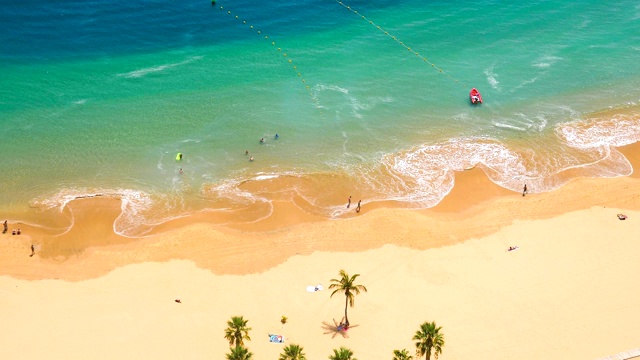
{"x":99,"y":97}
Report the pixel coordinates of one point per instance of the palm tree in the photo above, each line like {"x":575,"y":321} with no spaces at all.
{"x":401,"y":355}
{"x":292,"y":352}
{"x":239,"y":353}
{"x":342,"y":354}
{"x":237,"y":331}
{"x":346,"y":284}
{"x":429,"y":338}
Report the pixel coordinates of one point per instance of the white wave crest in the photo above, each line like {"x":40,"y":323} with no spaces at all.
{"x":424,"y":175}
{"x":134,"y":204}
{"x":617,"y":130}
{"x":509,"y":126}
{"x":264,"y":176}
{"x":145,"y":71}
{"x":230,"y":189}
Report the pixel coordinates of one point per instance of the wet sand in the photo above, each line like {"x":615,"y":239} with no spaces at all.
{"x":572,"y":281}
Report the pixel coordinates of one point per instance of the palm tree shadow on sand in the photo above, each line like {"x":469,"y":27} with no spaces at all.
{"x":335,"y":329}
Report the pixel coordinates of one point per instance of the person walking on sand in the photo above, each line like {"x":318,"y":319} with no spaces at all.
{"x":6,"y":227}
{"x":524,"y":191}
{"x":33,"y":250}
{"x":358,"y":207}
{"x":349,"y":202}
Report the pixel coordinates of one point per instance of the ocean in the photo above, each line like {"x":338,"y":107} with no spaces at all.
{"x":367,"y":98}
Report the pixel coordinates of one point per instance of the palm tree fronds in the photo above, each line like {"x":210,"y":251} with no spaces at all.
{"x":429,"y":338}
{"x":237,"y":331}
{"x":292,"y":352}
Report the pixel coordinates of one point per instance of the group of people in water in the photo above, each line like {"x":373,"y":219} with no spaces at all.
{"x":246,"y":152}
{"x":349,"y":204}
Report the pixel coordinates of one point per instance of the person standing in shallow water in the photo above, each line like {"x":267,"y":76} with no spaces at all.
{"x":6,"y":227}
{"x":349,"y":202}
{"x":358,"y":207}
{"x":524,"y":191}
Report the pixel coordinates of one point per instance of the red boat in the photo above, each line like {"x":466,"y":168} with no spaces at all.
{"x":475,"y":96}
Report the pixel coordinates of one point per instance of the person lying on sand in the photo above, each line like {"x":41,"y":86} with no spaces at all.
{"x":344,"y":325}
{"x":622,"y":216}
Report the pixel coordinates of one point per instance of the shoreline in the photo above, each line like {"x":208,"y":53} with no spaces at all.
{"x":287,"y":200}
{"x":575,"y":265}
{"x":473,"y":204}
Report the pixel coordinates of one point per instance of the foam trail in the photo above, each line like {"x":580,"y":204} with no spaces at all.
{"x":492,"y":78}
{"x":145,"y":71}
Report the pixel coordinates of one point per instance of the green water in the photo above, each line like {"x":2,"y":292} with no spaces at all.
{"x":107,"y":109}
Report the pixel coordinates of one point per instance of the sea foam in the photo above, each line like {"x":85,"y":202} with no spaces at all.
{"x":145,"y":71}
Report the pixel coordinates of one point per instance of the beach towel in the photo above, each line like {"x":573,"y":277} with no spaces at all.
{"x":275,"y":338}
{"x":312,"y":288}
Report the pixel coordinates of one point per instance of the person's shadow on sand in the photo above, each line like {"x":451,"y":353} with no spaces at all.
{"x":335,"y":329}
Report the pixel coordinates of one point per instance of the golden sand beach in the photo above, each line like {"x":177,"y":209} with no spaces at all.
{"x":569,"y":291}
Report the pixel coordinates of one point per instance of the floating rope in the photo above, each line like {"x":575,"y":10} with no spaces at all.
{"x":284,"y":54}
{"x":397,"y":40}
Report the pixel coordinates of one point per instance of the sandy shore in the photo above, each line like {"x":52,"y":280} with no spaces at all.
{"x":570,"y":290}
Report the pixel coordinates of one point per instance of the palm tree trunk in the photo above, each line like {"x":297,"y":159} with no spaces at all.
{"x":346,"y":305}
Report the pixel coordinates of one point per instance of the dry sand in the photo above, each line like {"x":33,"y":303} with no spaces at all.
{"x":569,"y":292}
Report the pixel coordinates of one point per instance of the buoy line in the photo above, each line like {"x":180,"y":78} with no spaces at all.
{"x":394,"y":38}
{"x":284,"y":54}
